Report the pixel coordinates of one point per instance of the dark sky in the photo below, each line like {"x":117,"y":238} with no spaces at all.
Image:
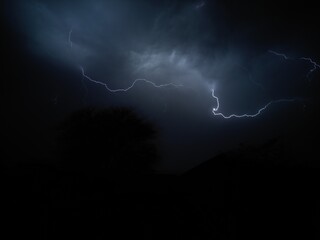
{"x":201,"y":45}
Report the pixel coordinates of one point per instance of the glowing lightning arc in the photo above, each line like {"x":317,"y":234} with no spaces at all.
{"x":315,"y":65}
{"x":119,"y":89}
{"x":131,"y":86}
{"x":216,"y":109}
{"x":279,"y":54}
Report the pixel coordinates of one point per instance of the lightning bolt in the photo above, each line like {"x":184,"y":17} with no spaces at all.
{"x":131,"y":86}
{"x":84,"y":75}
{"x":216,"y":112}
{"x":279,"y":54}
{"x":312,"y":62}
{"x":216,"y":109}
{"x":315,"y":65}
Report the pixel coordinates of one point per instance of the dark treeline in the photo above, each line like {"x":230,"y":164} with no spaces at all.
{"x":102,"y":186}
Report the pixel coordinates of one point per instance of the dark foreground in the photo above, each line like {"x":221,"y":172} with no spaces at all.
{"x":227,"y":197}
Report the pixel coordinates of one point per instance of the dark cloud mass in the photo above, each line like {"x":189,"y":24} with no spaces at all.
{"x":202,"y":45}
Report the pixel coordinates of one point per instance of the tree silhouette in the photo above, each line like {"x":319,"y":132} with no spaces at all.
{"x":113,"y":140}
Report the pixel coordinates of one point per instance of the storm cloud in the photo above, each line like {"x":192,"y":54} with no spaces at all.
{"x":193,"y":43}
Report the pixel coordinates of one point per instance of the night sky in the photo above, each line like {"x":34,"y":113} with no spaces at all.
{"x":229,"y":46}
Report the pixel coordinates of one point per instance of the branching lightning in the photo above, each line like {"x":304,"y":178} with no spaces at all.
{"x":130,"y":87}
{"x":119,"y":89}
{"x":246,"y":115}
{"x":315,"y":65}
{"x":216,"y":109}
{"x":312,"y":62}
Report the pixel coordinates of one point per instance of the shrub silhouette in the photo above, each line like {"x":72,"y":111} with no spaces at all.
{"x":110,"y":139}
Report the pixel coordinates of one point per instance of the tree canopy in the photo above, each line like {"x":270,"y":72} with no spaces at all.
{"x":113,"y":138}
